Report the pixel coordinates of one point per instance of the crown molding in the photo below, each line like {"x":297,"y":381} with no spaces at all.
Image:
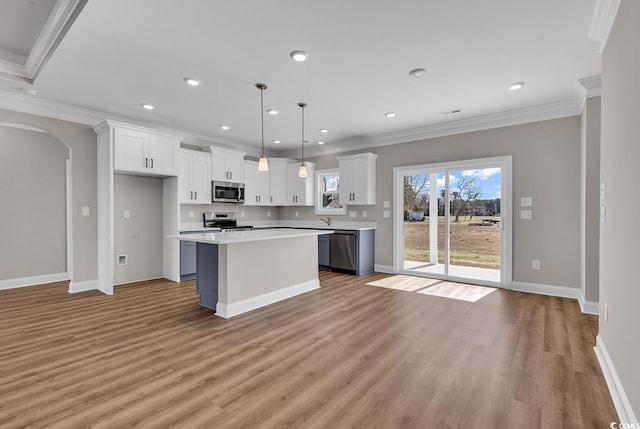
{"x":19,"y":102}
{"x":592,"y":86}
{"x":62,"y":16}
{"x":560,"y":109}
{"x":603,"y":17}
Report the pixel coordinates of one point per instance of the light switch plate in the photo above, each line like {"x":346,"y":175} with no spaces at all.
{"x":126,"y":214}
{"x":603,"y":215}
{"x":386,"y":213}
{"x":526,"y":214}
{"x":526,"y":201}
{"x":191,"y":214}
{"x":86,"y":211}
{"x":603,"y":190}
{"x":353,"y":214}
{"x":386,"y":204}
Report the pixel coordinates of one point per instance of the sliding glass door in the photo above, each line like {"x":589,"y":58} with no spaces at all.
{"x":451,"y":219}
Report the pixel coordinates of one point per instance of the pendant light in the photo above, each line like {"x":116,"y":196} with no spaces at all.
{"x":302,"y":172}
{"x":263,"y":164}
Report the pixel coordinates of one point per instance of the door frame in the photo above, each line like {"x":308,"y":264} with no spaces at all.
{"x":506,"y":203}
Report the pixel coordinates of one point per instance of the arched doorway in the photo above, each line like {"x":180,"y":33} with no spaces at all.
{"x":35,"y":186}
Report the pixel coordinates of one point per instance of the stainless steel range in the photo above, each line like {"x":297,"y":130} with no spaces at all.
{"x":226,"y":221}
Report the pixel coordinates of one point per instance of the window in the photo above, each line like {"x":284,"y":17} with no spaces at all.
{"x":327,"y":193}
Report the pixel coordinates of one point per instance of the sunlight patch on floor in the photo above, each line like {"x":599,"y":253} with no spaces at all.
{"x":434,"y":287}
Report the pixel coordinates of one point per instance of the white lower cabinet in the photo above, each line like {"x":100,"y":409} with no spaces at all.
{"x":300,"y":190}
{"x":194,"y":180}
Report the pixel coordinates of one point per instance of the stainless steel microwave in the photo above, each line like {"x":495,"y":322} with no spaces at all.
{"x":227,"y":192}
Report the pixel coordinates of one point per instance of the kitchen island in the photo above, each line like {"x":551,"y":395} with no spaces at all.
{"x":241,"y":271}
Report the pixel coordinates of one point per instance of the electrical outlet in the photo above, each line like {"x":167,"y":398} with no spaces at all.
{"x":353,"y":214}
{"x":606,"y":312}
{"x":364,"y":213}
{"x":386,"y":213}
{"x":603,"y":191}
{"x":126,"y":214}
{"x":297,"y":214}
{"x":603,"y":215}
{"x":268,"y":213}
{"x":191,"y":214}
{"x":525,"y":214}
{"x":535,"y":264}
{"x":242,"y":213}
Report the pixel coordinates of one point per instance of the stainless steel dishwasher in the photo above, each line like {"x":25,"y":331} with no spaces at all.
{"x":342,"y":251}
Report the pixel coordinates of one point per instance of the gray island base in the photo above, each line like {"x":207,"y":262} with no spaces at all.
{"x":241,"y":271}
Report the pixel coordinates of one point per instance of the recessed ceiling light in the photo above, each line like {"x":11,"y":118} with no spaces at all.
{"x":147,"y":106}
{"x":516,"y":85}
{"x":225,"y":127}
{"x":192,"y":81}
{"x":272,"y":112}
{"x":299,"y":56}
{"x":320,"y":142}
{"x":276,"y":141}
{"x":323,"y":130}
{"x":390,"y":115}
{"x":417,"y":72}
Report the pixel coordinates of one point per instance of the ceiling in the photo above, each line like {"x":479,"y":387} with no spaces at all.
{"x":119,"y":54}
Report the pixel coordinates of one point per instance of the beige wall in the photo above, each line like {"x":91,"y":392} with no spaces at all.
{"x":546,"y":166}
{"x":590,"y":199}
{"x":82,"y":143}
{"x":620,"y":237}
{"x":33,"y":204}
{"x":139,"y":236}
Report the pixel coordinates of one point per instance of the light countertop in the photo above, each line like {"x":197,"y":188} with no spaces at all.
{"x":314,"y":224}
{"x":248,"y":235}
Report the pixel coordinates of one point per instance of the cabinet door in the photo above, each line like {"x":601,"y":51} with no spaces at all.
{"x":200,"y":178}
{"x":162,"y":155}
{"x":250,"y":179}
{"x":346,"y":181}
{"x":130,"y":150}
{"x":262,"y":187}
{"x":219,"y":166}
{"x":235,"y":167}
{"x":185,"y":194}
{"x":278,"y":183}
{"x":295,"y":185}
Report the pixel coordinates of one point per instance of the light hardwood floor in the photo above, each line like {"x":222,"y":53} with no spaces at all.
{"x":345,"y":356}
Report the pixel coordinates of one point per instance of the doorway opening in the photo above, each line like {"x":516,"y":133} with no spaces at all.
{"x":453,"y":221}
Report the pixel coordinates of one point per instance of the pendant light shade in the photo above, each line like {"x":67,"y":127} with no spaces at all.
{"x":302,"y":171}
{"x":263,"y":164}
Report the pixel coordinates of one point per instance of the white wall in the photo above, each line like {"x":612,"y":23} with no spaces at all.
{"x":620,"y":236}
{"x":33,"y":204}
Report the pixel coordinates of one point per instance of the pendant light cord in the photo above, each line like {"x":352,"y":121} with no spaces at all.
{"x":262,"y":116}
{"x":302,"y":106}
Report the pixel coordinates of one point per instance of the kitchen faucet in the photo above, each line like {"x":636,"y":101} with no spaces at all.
{"x":326,"y":220}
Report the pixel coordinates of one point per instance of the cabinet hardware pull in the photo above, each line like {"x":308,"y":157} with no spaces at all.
{"x":151,"y":162}
{"x":190,"y":195}
{"x":146,"y":162}
{"x":196,"y":195}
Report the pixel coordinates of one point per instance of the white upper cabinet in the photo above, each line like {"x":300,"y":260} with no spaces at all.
{"x":227,"y":165}
{"x":143,"y":152}
{"x":278,"y":181}
{"x":300,"y":189}
{"x":256,"y":185}
{"x":194,"y":181}
{"x":358,"y":179}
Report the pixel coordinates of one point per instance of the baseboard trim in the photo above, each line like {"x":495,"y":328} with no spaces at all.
{"x":618,"y":395}
{"x":33,"y":280}
{"x":387,"y":269}
{"x":229,"y":310}
{"x":75,"y":287}
{"x":588,"y":307}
